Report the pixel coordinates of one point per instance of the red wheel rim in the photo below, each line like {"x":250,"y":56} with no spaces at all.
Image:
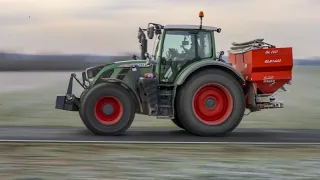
{"x":108,"y":110}
{"x":212,"y":104}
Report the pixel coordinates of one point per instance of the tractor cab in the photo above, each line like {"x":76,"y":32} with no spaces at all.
{"x":177,"y":46}
{"x":182,"y":45}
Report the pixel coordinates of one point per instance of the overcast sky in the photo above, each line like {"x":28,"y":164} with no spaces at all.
{"x":110,"y":26}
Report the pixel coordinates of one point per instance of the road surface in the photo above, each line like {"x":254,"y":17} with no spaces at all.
{"x":157,"y":135}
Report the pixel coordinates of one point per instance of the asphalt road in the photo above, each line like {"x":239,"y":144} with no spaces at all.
{"x":156,"y":135}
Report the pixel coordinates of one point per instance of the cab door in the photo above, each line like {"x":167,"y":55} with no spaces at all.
{"x":176,"y":50}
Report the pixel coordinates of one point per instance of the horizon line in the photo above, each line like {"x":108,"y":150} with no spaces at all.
{"x":115,"y":54}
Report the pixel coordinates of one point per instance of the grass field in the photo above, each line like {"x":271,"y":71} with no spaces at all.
{"x":29,"y":99}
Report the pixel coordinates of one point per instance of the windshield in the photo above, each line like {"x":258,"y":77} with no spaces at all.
{"x":187,"y":45}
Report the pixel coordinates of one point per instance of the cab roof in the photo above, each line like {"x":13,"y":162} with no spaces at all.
{"x":181,"y":26}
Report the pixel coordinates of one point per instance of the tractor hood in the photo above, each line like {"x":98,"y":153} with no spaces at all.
{"x":91,"y":72}
{"x":130,"y":63}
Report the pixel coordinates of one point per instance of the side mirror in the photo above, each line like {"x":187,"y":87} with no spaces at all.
{"x":140,"y":34}
{"x":219,"y":30}
{"x":142,"y":38}
{"x":139,"y":37}
{"x":150,"y":32}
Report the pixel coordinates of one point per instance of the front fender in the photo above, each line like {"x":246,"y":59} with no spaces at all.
{"x":124,"y":85}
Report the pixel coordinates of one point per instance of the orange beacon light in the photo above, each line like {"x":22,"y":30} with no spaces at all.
{"x":201,"y":14}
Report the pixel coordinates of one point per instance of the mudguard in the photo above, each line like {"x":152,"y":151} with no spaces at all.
{"x":195,"y":66}
{"x":123,"y":84}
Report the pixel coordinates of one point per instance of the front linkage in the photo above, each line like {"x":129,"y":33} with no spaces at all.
{"x":69,"y":101}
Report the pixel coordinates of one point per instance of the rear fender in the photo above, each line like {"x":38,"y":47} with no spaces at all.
{"x":198,"y":66}
{"x":124,"y":85}
{"x":208,"y":64}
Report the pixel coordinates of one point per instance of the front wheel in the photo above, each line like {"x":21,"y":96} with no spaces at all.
{"x":212,"y":102}
{"x":107,"y":109}
{"x":83,"y":94}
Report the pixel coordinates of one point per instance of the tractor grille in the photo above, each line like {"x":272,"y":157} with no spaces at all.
{"x":123,"y":73}
{"x":107,"y":74}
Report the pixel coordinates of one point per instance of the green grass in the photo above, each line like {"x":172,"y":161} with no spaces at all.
{"x":76,"y":161}
{"x":36,"y":106}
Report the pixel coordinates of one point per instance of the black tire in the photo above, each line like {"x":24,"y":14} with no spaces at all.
{"x":84,"y":92}
{"x":187,"y":111}
{"x":177,"y":122}
{"x":125,"y":107}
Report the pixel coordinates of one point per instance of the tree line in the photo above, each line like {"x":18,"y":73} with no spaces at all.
{"x":25,"y":62}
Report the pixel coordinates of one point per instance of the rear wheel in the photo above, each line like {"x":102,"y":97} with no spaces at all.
{"x":107,"y":109}
{"x":212,"y":102}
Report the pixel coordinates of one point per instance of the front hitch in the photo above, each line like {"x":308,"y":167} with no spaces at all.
{"x":69,"y":101}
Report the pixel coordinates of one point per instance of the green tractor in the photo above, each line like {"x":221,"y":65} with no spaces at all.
{"x":185,"y":80}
